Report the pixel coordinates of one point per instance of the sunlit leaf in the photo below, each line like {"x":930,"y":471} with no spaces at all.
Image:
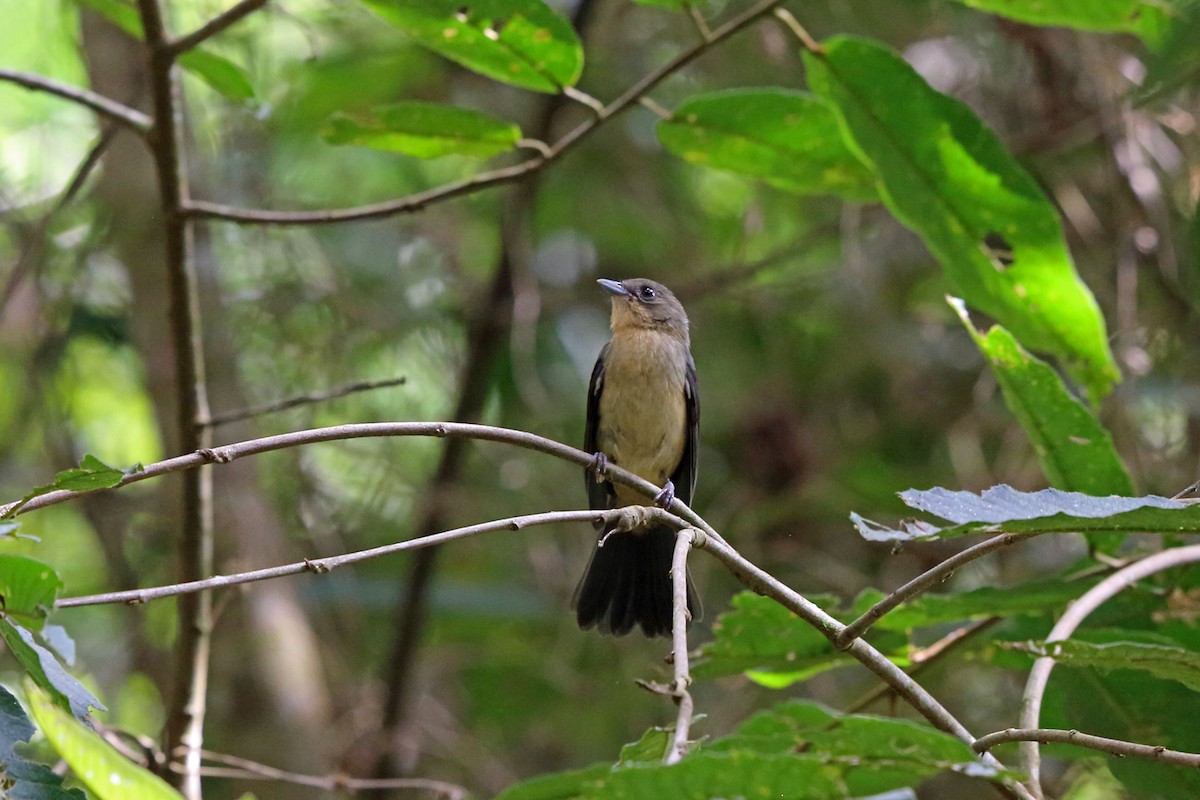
{"x":43,"y":668}
{"x":27,"y":589}
{"x":947,"y":176}
{"x":521,"y":42}
{"x":425,"y":130}
{"x":218,"y":72}
{"x":1004,"y":509}
{"x":29,"y":779}
{"x":786,"y":138}
{"x":119,"y":12}
{"x":1145,"y":18}
{"x":106,"y":773}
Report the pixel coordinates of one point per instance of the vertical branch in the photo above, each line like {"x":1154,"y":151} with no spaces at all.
{"x":679,"y":646}
{"x":185,"y":727}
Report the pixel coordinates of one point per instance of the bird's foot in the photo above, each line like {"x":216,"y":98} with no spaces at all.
{"x":599,"y":467}
{"x":667,"y":496}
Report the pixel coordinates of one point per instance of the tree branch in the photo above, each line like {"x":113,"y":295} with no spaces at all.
{"x":214,"y":26}
{"x":418,"y":201}
{"x":1115,"y":747}
{"x":235,"y":767}
{"x":301,"y":400}
{"x":679,"y":653}
{"x":107,"y":107}
{"x":1076,"y":613}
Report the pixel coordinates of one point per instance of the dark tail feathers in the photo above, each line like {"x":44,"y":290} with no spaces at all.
{"x":628,"y":582}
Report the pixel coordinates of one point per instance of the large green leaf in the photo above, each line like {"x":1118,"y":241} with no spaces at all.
{"x":425,"y":130}
{"x":106,"y":773}
{"x":1145,"y":18}
{"x":521,"y":42}
{"x":1003,"y":509}
{"x":947,"y":176}
{"x":787,"y":138}
{"x":42,"y":667}
{"x":24,"y":779}
{"x":1160,"y":660}
{"x":27,"y":589}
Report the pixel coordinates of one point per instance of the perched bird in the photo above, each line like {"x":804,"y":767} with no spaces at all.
{"x":643,"y":414}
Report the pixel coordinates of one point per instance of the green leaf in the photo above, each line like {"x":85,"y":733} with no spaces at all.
{"x":43,"y":668}
{"x":425,"y":130}
{"x":520,"y":42}
{"x":120,"y":13}
{"x":1144,"y":18}
{"x":27,"y":589}
{"x":647,"y":750}
{"x":1003,"y":509}
{"x":773,"y":645}
{"x":218,"y":72}
{"x":1161,"y":661}
{"x":789,"y":139}
{"x":29,"y":780}
{"x":1076,"y":452}
{"x":947,"y":176}
{"x":96,"y":764}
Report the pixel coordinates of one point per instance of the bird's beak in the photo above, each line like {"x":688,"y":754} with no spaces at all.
{"x":613,"y":287}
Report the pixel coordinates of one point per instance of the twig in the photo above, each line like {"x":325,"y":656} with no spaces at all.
{"x":793,"y":25}
{"x":300,"y":400}
{"x":679,"y":646}
{"x":922,"y":582}
{"x":419,"y":200}
{"x":699,"y":21}
{"x":1039,"y":676}
{"x":320,"y":566}
{"x":214,"y":26}
{"x":105,"y":106}
{"x":1115,"y":747}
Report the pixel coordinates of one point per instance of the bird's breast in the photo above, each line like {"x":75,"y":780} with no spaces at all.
{"x":643,"y":413}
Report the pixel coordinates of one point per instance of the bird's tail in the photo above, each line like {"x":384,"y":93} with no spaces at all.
{"x":628,"y":583}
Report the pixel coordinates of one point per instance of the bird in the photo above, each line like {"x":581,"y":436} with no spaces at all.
{"x":643,"y":414}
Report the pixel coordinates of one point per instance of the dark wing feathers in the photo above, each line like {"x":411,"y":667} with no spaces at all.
{"x":684,"y":476}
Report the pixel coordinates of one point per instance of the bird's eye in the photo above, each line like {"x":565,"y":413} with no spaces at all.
{"x":647,"y":293}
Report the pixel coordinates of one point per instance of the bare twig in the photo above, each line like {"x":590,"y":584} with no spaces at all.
{"x":105,"y":106}
{"x":1115,"y":747}
{"x":922,"y":582}
{"x":300,"y":400}
{"x":320,"y":566}
{"x":215,"y":25}
{"x":699,"y":21}
{"x":415,"y":202}
{"x":1039,"y":676}
{"x":679,"y":646}
{"x":793,"y":25}
{"x":246,"y":769}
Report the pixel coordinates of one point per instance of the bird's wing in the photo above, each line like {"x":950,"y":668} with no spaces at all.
{"x":684,"y":476}
{"x":600,"y":495}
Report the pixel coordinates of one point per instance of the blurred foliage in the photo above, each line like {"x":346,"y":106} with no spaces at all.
{"x":1046,"y":160}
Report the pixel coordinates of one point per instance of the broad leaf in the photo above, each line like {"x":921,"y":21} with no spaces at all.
{"x":27,"y":589}
{"x":1145,"y":18}
{"x":106,"y":773}
{"x":1004,"y":509}
{"x":42,"y":667}
{"x":24,"y":779}
{"x":425,"y":130}
{"x":947,"y":176}
{"x":218,"y":72}
{"x":521,"y":42}
{"x":1161,"y":661}
{"x":786,"y":138}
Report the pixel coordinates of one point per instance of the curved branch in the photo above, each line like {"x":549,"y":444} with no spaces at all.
{"x":214,"y":26}
{"x":1039,"y":676}
{"x":1114,"y":747}
{"x":105,"y":106}
{"x":922,"y":582}
{"x":416,"y":202}
{"x":319,"y":566}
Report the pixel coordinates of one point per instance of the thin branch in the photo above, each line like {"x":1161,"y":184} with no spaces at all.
{"x":679,"y":653}
{"x":418,"y":201}
{"x":320,"y":566}
{"x":922,"y":582}
{"x":246,"y":769}
{"x":1114,"y":747}
{"x":214,"y":26}
{"x":793,"y":25}
{"x":1076,"y":613}
{"x":699,"y":21}
{"x":301,"y":400}
{"x":105,"y":106}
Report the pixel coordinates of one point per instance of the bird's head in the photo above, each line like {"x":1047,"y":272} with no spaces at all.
{"x":647,"y":304}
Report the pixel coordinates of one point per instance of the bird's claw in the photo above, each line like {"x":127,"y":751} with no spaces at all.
{"x":599,"y":467}
{"x":667,"y":496}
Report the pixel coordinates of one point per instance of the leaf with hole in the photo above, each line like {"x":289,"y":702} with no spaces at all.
{"x":520,"y":42}
{"x":786,"y":138}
